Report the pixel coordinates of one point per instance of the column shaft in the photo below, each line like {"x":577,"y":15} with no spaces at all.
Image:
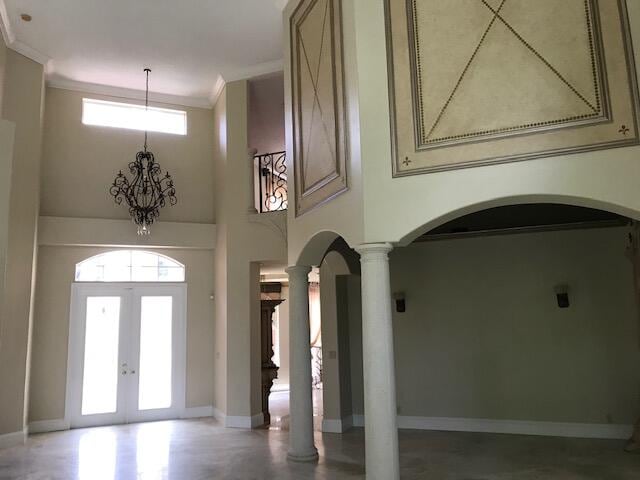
{"x":301,"y":442}
{"x":381,"y":434}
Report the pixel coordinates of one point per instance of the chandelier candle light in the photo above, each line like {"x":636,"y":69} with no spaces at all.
{"x":149,"y":190}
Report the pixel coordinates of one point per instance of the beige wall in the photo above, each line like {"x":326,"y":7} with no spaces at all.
{"x":244,"y":240}
{"x":80,"y":161}
{"x":483,"y":336}
{"x":22,"y":105}
{"x":56,"y":269}
{"x":266,"y":114}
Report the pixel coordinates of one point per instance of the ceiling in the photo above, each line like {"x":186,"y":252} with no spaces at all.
{"x":525,"y":218}
{"x":192,"y":46}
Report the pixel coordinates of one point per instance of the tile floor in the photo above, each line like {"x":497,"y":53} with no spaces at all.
{"x":202,"y":449}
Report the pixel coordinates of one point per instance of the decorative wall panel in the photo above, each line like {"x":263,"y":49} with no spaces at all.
{"x":318,"y":103}
{"x":475,"y":82}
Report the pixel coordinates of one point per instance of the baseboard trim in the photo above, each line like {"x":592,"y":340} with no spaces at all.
{"x":514,"y":427}
{"x":358,"y":420}
{"x":244,"y":422}
{"x":197,"y":412}
{"x":44,"y":426}
{"x":218,"y":415}
{"x":337,"y":425}
{"x":13,"y":439}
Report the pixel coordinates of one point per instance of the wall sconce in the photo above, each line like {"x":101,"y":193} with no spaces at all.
{"x":401,"y":306}
{"x":562,"y":295}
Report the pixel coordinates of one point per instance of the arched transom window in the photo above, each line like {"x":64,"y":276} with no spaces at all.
{"x":129,"y":266}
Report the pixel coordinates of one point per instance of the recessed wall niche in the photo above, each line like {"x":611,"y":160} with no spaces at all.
{"x":320,"y":140}
{"x":476,"y":82}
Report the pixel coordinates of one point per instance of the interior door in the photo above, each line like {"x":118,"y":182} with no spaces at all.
{"x":97,"y":355}
{"x":157,"y":333}
{"x":126,"y":353}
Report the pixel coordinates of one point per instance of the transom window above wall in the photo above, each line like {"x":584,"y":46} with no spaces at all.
{"x":129,"y":266}
{"x":133,"y":117}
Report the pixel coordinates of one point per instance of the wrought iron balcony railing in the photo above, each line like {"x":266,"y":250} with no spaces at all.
{"x":272,"y":181}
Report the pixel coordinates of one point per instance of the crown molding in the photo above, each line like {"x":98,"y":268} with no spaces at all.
{"x":31,"y":53}
{"x":16,"y":45}
{"x":5,"y":25}
{"x":281,"y":4}
{"x":216,"y":90}
{"x":128,"y":93}
{"x":253,"y":71}
{"x":233,"y":75}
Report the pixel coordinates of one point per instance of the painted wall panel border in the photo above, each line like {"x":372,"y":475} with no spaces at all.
{"x":614,"y":123}
{"x":319,"y":115}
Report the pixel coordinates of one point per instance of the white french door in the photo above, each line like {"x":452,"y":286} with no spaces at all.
{"x":126,"y":353}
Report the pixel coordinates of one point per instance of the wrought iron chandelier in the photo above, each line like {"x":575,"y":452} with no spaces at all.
{"x":149,"y":190}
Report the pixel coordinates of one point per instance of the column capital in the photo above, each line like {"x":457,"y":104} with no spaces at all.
{"x":298,"y":270}
{"x":366,"y":249}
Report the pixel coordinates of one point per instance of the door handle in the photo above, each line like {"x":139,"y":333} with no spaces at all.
{"x":133,"y":372}
{"x":124,"y":372}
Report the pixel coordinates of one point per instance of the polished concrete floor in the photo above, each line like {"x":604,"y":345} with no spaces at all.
{"x":202,"y":449}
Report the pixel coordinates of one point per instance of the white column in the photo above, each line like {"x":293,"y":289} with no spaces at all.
{"x":251,"y":197}
{"x":381,"y":431}
{"x":301,"y":443}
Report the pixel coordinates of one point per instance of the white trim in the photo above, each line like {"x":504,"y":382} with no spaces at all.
{"x":281,"y":4}
{"x":358,"y":420}
{"x":253,"y":71}
{"x":16,"y":45}
{"x":128,"y":93}
{"x":197,"y":412}
{"x":31,"y":53}
{"x":218,"y":415}
{"x":337,"y":425}
{"x":216,"y":91}
{"x":5,"y":25}
{"x":244,"y":421}
{"x":43,"y":426}
{"x":514,"y":427}
{"x":14,"y":439}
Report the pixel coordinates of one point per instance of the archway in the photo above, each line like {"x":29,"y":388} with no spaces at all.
{"x":340,"y":313}
{"x":522,"y":319}
{"x":325,"y":249}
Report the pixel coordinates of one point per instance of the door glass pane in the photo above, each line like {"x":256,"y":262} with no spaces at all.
{"x":155,"y":353}
{"x":100,"y":376}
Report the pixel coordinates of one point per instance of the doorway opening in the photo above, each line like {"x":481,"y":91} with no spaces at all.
{"x":275,"y":339}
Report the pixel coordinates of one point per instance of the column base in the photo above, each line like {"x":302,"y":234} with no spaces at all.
{"x":303,"y":457}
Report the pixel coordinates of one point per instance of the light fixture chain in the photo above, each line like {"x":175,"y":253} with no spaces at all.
{"x":146,"y":108}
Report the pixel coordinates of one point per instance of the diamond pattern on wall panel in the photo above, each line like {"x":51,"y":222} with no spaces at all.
{"x":318,"y":103}
{"x":476,"y":82}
